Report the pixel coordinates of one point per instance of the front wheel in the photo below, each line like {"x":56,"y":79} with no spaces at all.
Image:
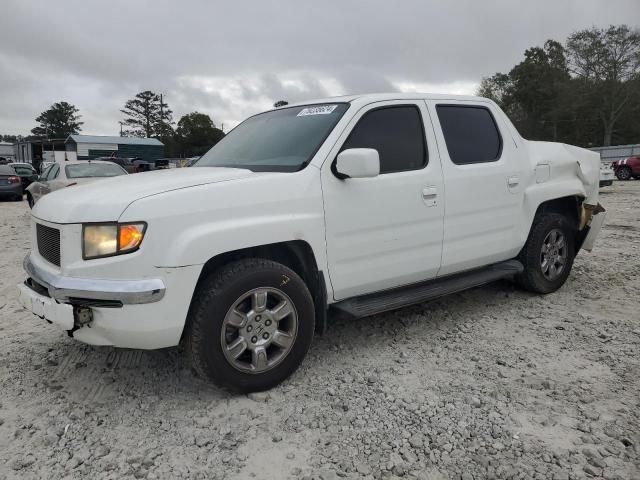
{"x":250,"y":325}
{"x":548,"y":254}
{"x":623,"y":173}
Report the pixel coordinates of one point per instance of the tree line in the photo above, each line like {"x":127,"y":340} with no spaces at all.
{"x":585,"y":92}
{"x":145,"y":115}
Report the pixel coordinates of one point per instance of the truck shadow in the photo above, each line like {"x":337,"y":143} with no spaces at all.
{"x":101,"y":375}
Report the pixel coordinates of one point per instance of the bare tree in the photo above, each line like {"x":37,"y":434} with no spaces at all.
{"x":608,"y":61}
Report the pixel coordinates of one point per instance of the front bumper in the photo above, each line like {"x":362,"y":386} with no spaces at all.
{"x":594,"y":230}
{"x":124,"y":292}
{"x":134,"y":313}
{"x":45,"y":307}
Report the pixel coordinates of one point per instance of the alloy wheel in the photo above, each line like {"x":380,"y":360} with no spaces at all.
{"x":259,"y":330}
{"x":553,"y":256}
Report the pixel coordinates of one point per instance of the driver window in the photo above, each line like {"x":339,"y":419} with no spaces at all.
{"x":396,"y":132}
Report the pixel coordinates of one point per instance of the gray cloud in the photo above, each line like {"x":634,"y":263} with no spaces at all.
{"x":232,"y":59}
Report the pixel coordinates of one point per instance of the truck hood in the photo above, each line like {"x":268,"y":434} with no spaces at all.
{"x":104,"y":201}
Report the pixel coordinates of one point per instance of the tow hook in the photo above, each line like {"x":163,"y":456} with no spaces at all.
{"x":81,"y":316}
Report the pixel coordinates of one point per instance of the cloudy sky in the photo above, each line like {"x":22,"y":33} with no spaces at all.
{"x":234,"y":58}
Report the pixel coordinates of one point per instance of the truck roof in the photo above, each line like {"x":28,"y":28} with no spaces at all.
{"x":380,"y":97}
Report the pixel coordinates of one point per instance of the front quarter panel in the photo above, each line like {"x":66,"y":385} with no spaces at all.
{"x":192,"y":225}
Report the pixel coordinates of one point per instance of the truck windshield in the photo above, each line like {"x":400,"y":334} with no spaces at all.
{"x":282,"y":140}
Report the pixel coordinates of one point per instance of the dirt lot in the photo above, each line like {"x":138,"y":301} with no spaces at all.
{"x":489,"y":383}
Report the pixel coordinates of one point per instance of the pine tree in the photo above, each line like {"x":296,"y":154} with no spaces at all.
{"x":147,"y":115}
{"x":59,"y":121}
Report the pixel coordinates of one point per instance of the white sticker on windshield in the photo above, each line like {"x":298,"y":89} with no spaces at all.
{"x":318,"y":110}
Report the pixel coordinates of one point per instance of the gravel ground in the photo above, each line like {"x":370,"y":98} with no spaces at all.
{"x":490,"y":383}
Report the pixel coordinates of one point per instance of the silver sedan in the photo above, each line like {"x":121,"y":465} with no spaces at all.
{"x":67,"y":174}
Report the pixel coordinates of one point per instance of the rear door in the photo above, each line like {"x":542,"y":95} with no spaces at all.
{"x":484,"y":184}
{"x":386,"y":231}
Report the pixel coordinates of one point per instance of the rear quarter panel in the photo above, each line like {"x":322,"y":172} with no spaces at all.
{"x":572,"y":171}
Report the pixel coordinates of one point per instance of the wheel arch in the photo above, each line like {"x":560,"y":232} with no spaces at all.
{"x":298,"y":255}
{"x":571,"y":207}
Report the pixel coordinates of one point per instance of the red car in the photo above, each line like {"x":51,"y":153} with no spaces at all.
{"x":627,"y":168}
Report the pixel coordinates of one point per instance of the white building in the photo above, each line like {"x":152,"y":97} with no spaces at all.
{"x":7,"y":151}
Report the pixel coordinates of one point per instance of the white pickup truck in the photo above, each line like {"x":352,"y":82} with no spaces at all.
{"x":361,"y":203}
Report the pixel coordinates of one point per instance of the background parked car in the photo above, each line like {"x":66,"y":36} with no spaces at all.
{"x":606,"y":174}
{"x":191,"y":161}
{"x":10,"y":183}
{"x":125,"y":163}
{"x":45,"y":165}
{"x":26,"y":172}
{"x":67,"y":174}
{"x":627,"y":168}
{"x":143,"y":166}
{"x":162,"y":164}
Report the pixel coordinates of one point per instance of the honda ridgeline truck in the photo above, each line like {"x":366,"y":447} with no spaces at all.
{"x":361,"y":204}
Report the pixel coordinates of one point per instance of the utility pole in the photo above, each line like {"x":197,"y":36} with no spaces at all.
{"x":161,"y":116}
{"x":121,"y":124}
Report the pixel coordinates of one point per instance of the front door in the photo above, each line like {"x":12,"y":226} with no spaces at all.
{"x":386,"y":231}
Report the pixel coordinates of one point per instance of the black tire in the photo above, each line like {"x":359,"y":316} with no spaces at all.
{"x":533,"y":278}
{"x":30,"y":200}
{"x":212,"y":300}
{"x":623,"y":173}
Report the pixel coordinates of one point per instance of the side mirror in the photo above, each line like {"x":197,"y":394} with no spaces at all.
{"x":358,"y":163}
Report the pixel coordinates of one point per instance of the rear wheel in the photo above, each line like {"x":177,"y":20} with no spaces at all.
{"x":251,"y":324}
{"x":623,"y":173}
{"x":548,"y":254}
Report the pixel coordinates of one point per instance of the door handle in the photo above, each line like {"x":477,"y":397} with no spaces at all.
{"x":429,"y":192}
{"x":513,"y":181}
{"x":429,"y":196}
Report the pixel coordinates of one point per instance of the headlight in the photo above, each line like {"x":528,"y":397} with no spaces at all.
{"x":108,"y":239}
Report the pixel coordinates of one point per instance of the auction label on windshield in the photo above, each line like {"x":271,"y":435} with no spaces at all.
{"x":317,"y":110}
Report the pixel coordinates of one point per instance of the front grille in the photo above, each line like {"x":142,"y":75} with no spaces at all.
{"x":48,"y":243}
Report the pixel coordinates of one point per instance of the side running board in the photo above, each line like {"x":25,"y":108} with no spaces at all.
{"x":401,"y":297}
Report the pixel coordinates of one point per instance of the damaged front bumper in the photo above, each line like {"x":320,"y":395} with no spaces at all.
{"x":594,"y":225}
{"x":118,"y":292}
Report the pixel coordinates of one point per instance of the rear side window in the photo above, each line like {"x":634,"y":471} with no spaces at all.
{"x":53,"y":173}
{"x":396,"y":133}
{"x":471,"y":134}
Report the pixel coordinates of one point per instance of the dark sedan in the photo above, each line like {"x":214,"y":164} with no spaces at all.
{"x":26,"y":172}
{"x":10,"y":183}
